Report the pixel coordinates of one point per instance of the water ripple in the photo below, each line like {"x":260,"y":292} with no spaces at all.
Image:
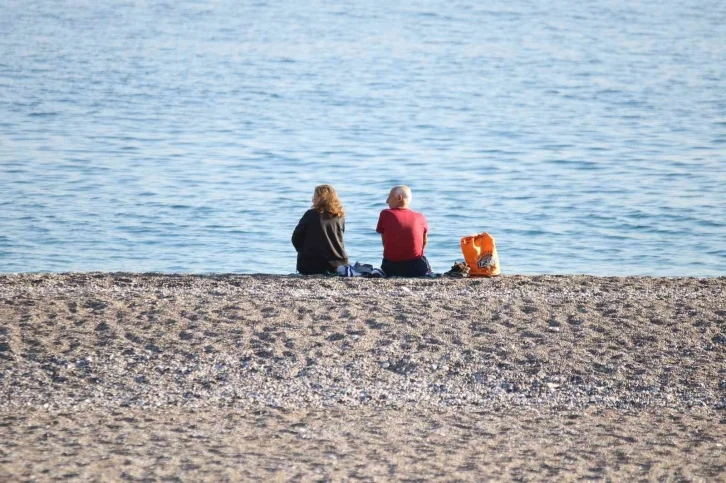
{"x":189,"y":137}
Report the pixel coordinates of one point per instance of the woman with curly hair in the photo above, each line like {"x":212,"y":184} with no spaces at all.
{"x":318,"y":237}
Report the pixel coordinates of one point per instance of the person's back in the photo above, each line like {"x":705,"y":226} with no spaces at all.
{"x":318,"y":236}
{"x":404,"y":234}
{"x":403,"y":231}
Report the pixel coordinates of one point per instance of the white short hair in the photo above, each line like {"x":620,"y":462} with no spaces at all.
{"x":404,"y":191}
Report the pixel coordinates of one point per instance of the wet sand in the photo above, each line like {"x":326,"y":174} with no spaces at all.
{"x":129,"y":376}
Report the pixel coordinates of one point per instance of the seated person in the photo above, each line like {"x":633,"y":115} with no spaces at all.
{"x":404,"y":233}
{"x":318,"y":237}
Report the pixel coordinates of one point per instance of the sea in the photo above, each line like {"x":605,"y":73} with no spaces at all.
{"x":187,"y":136}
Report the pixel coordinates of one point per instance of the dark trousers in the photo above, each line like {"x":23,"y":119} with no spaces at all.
{"x":418,"y":267}
{"x":318,"y":267}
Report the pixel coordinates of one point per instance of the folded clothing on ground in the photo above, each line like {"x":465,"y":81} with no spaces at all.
{"x":360,"y":270}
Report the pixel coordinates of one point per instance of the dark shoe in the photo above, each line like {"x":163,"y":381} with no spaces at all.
{"x":458,"y":270}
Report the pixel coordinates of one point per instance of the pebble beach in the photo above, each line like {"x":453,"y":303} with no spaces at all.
{"x":123,"y":376}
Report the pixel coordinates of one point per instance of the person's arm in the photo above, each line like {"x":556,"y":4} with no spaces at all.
{"x":379,"y":228}
{"x":298,"y":235}
{"x":425,"y":232}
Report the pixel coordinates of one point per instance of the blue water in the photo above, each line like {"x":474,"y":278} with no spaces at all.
{"x":587,"y":137}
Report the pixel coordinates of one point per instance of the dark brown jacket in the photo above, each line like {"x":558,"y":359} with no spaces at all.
{"x":319,"y":243}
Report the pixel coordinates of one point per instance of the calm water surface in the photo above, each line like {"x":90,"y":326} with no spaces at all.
{"x":188,"y":136}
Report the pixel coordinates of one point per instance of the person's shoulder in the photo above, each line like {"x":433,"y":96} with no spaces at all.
{"x":411,"y":213}
{"x":419,"y":215}
{"x":311,"y":214}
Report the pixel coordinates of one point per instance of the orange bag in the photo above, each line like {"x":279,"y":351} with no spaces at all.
{"x":480,"y":254}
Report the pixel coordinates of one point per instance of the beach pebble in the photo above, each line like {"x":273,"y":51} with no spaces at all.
{"x":242,"y":347}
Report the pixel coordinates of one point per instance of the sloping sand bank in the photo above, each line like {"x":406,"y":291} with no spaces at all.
{"x":113,"y":376}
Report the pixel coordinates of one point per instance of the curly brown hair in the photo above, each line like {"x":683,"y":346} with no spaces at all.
{"x":327,"y":202}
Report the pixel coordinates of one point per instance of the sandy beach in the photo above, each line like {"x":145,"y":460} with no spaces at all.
{"x":232,"y":377}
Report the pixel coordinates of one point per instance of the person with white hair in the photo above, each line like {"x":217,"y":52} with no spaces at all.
{"x":404,"y":233}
